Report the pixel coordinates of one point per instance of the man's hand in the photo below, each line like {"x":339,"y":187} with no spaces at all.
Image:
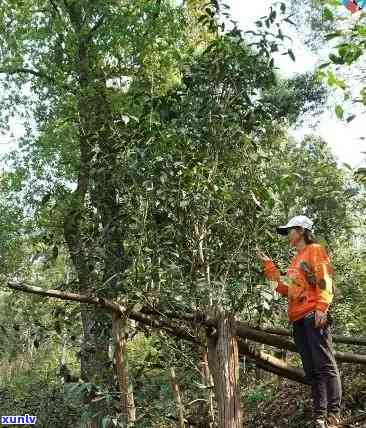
{"x":261,"y":256}
{"x":320,"y":319}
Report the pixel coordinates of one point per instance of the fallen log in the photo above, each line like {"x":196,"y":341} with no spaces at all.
{"x":262,"y":360}
{"x":242,"y":330}
{"x":200,"y":317}
{"x":109,"y":306}
{"x":272,"y":336}
{"x":246,"y":332}
{"x":347,"y":340}
{"x":271,"y":364}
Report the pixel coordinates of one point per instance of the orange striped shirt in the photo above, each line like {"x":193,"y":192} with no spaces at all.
{"x":308,"y":283}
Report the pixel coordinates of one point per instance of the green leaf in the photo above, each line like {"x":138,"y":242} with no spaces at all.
{"x":272,"y":16}
{"x":351,"y":117}
{"x":361,"y":171}
{"x":291,"y":54}
{"x":348,"y":166}
{"x":339,"y":112}
{"x":336,"y":59}
{"x":334,"y":81}
{"x":331,"y":36}
{"x":324,"y":65}
{"x":361,"y":30}
{"x":333,"y":3}
{"x":363,"y":95}
{"x":328,"y":15}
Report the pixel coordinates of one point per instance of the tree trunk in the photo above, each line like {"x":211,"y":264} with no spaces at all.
{"x":94,"y":361}
{"x":224,"y":364}
{"x":177,"y":397}
{"x":128,"y":409}
{"x":207,"y":380}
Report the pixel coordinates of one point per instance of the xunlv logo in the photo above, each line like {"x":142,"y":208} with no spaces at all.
{"x":18,"y":420}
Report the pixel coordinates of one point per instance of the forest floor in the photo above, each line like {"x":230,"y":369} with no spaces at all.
{"x":288,"y":404}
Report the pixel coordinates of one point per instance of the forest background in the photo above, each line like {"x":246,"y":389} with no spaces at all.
{"x":158,"y":148}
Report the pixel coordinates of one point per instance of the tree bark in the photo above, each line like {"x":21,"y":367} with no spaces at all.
{"x":177,"y":397}
{"x":94,"y":360}
{"x":128,"y":410}
{"x":209,"y":383}
{"x":223,"y":359}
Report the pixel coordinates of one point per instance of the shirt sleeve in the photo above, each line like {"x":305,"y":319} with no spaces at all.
{"x":323,"y":277}
{"x":272,"y":273}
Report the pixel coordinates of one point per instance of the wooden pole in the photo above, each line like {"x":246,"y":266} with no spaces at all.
{"x":177,"y":398}
{"x":119,"y":325}
{"x":223,"y":358}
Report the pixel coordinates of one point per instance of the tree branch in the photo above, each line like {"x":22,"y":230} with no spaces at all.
{"x":257,"y":335}
{"x":261,"y":336}
{"x":188,"y":316}
{"x":269,"y":336}
{"x":108,"y":305}
{"x":95,"y":28}
{"x":263,"y":360}
{"x":200,"y":317}
{"x":36,"y":73}
{"x":81,"y":298}
{"x":246,"y":332}
{"x":22,"y":70}
{"x":242,"y":330}
{"x":55,"y":7}
{"x":271,"y":364}
{"x":66,"y":4}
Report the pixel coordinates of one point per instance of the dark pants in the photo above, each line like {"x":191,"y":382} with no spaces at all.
{"x":316,"y":350}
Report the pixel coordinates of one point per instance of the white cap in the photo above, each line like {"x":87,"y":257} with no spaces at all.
{"x":299,"y":220}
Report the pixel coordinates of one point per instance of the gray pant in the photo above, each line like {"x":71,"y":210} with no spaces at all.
{"x":316,"y":350}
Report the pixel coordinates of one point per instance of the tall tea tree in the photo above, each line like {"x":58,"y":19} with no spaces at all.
{"x":195,"y":178}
